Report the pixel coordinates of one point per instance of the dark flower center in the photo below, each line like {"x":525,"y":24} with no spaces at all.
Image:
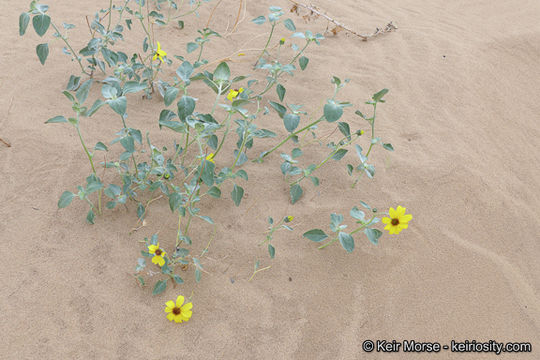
{"x":158,"y":252}
{"x":395,"y":222}
{"x":176,"y":310}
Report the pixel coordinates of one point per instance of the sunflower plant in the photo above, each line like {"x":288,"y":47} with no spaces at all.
{"x":145,"y":172}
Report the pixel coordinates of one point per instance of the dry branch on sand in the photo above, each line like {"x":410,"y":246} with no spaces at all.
{"x":314,"y":12}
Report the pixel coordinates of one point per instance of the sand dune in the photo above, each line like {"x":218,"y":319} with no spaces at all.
{"x":462,"y":114}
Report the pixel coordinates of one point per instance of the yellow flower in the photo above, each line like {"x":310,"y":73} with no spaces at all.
{"x":241,"y":54}
{"x":159,"y":53}
{"x":397,"y":220}
{"x":210,"y":157}
{"x":177,"y":312}
{"x":233,"y":93}
{"x":282,"y":41}
{"x":289,"y":218}
{"x":159,"y":254}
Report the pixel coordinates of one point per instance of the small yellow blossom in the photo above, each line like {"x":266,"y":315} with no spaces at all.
{"x":289,"y":218}
{"x":177,"y":311}
{"x":241,"y":54}
{"x":159,"y":53}
{"x":397,"y":221}
{"x":210,"y":157}
{"x":158,"y":253}
{"x":282,"y":41}
{"x":233,"y":93}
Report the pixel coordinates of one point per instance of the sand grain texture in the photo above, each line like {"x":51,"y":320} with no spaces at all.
{"x":462,"y":114}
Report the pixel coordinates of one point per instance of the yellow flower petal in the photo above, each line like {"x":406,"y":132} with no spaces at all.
{"x":187,"y":307}
{"x":178,"y":319}
{"x":400,"y":210}
{"x":241,"y":90}
{"x":386,"y":220}
{"x":179,"y":300}
{"x":158,"y":260}
{"x":392,"y":213}
{"x":170,"y":305}
{"x":210,"y":157}
{"x":405,"y":218}
{"x":152,"y":248}
{"x":170,"y":316}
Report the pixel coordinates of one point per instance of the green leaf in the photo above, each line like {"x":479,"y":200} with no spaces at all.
{"x":24,"y":20}
{"x":281,"y":110}
{"x":280,"y":91}
{"x":177,"y":279}
{"x":56,"y":119}
{"x":357,"y":214}
{"x":291,"y":122}
{"x":160,"y":287}
{"x":388,"y":147}
{"x":303,"y":61}
{"x":373,"y":235}
{"x":175,"y":201}
{"x":296,"y":193}
{"x":41,"y":23}
{"x":259,"y":20}
{"x":345,"y":129}
{"x":237,"y":194}
{"x":90,"y":217}
{"x":128,"y":143}
{"x":316,"y":235}
{"x":170,"y":95}
{"x":119,"y":105}
{"x":82,"y":93}
{"x":271,"y":251}
{"x":296,"y":152}
{"x":346,"y":241}
{"x":378,"y":96}
{"x":214,"y":192}
{"x":289,"y":24}
{"x":332,"y":111}
{"x":65,"y":199}
{"x":186,"y":106}
{"x":184,"y":71}
{"x":100,"y":146}
{"x":243,"y":174}
{"x":73,"y":83}
{"x":339,"y":154}
{"x":222,"y":72}
{"x":132,"y":87}
{"x":191,"y":47}
{"x":97,"y":105}
{"x":207,"y":175}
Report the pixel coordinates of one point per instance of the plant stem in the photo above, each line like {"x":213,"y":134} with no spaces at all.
{"x":291,"y":135}
{"x":89,"y":159}
{"x":351,"y":233}
{"x":217,"y":99}
{"x":70,"y":48}
{"x":300,"y":53}
{"x":227,"y":127}
{"x":110,"y":16}
{"x":267,"y":42}
{"x":372,"y":129}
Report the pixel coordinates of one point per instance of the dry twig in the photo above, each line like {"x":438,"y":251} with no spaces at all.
{"x":315,"y":12}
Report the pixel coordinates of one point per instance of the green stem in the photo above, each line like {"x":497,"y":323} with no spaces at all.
{"x":70,"y":48}
{"x":217,"y":99}
{"x":372,"y":129}
{"x":110,"y":16}
{"x":227,"y":127}
{"x":291,"y":136}
{"x":89,"y":159}
{"x":200,"y":52}
{"x":244,"y":137}
{"x":300,"y":53}
{"x":185,"y":147}
{"x":266,"y":46}
{"x":351,"y":233}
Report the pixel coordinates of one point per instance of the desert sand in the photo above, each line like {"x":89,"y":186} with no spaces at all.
{"x":462,"y":114}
